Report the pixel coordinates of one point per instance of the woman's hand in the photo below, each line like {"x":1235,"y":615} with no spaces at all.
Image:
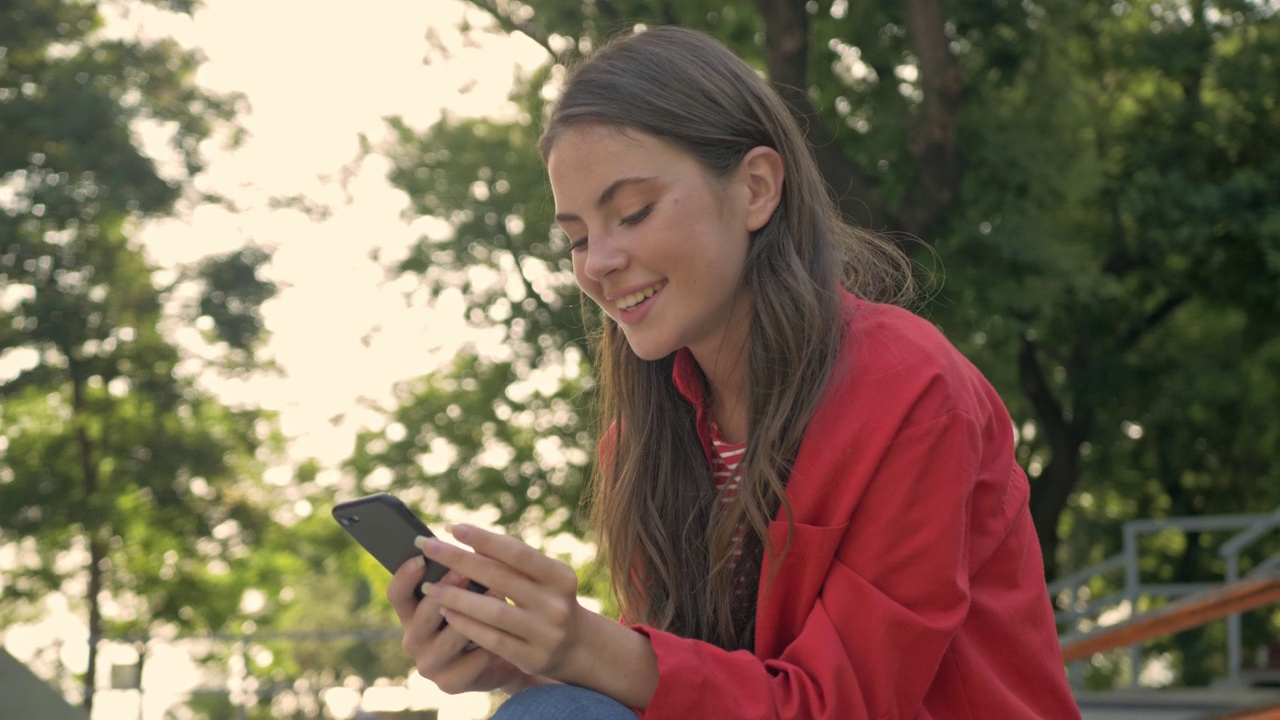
{"x":528,"y":629}
{"x":442,"y":654}
{"x":530,"y":617}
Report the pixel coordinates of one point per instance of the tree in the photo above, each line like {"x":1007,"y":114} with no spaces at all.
{"x":1092,"y":175}
{"x":329,"y":622}
{"x":525,"y":408}
{"x":121,"y":477}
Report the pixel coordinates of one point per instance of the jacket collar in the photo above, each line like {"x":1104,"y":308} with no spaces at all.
{"x":689,"y":380}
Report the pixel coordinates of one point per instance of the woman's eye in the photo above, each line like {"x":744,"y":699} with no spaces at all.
{"x":578,"y":244}
{"x":636,"y":217}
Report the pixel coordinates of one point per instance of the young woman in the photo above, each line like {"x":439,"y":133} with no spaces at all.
{"x":808,"y":500}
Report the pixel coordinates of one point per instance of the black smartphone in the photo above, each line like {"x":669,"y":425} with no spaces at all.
{"x":386,"y":527}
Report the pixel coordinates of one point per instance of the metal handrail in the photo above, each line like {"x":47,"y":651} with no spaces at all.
{"x":1230,"y":552}
{"x":1135,"y":528}
{"x":1270,"y":563}
{"x":1196,"y":523}
{"x":1071,"y":616}
{"x":1251,"y":527}
{"x":1072,"y":583}
{"x":1115,"y":562}
{"x":1189,"y":612}
{"x":1253,"y":533}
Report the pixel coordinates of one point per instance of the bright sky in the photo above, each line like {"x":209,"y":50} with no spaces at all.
{"x":316,"y":73}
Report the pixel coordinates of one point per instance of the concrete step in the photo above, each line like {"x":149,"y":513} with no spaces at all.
{"x":1176,"y":704}
{"x":24,"y":696}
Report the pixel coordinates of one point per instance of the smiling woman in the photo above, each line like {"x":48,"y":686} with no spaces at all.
{"x":662,"y":250}
{"x":807,"y":499}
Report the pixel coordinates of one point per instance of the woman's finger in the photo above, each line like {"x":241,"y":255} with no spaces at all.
{"x":427,"y":619}
{"x":445,"y":648}
{"x":514,"y":553}
{"x":475,"y":670}
{"x":428,"y":639}
{"x":400,"y":590}
{"x":506,"y":580}
{"x":487,"y":635}
{"x":530,"y":641}
{"x":537,"y":627}
{"x":488,"y":610}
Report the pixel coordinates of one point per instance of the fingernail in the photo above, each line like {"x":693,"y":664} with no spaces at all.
{"x":419,"y":562}
{"x":425,"y":588}
{"x":420,"y":542}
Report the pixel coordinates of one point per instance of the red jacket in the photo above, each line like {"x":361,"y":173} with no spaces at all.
{"x":914,"y":586}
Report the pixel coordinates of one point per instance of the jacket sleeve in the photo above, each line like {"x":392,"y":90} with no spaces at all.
{"x":888,"y":604}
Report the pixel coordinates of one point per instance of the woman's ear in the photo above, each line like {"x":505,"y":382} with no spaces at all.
{"x":763,"y":174}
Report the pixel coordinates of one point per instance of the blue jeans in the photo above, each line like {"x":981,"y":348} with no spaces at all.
{"x":562,"y":702}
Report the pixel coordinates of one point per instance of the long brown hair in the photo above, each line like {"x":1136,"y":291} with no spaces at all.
{"x":666,"y":541}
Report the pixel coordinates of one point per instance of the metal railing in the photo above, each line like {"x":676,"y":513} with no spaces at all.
{"x":1230,"y":553}
{"x":1082,"y":612}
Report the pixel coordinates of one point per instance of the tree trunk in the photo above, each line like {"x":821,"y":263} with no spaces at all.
{"x":97,"y":553}
{"x":97,"y":545}
{"x":933,"y":138}
{"x":1049,"y":494}
{"x":142,"y":662}
{"x":786,"y":41}
{"x":1065,"y":434}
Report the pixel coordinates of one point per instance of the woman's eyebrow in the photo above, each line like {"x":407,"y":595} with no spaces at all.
{"x":607,"y":195}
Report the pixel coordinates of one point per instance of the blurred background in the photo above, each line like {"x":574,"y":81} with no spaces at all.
{"x":260,"y":257}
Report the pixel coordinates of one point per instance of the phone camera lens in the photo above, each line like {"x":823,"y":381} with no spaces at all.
{"x":349,"y":520}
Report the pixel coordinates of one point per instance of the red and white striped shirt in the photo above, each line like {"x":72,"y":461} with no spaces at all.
{"x":726,"y":457}
{"x":725,"y":460}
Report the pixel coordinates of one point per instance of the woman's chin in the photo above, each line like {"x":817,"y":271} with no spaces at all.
{"x":651,"y":351}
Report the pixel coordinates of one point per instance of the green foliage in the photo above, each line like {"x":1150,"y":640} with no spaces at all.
{"x":481,"y":435}
{"x":116,"y":464}
{"x":527,"y":409}
{"x":231,"y":294}
{"x":327,"y":584}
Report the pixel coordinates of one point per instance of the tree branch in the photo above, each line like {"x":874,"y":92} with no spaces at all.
{"x":1152,"y":319}
{"x":786,"y":40}
{"x":510,"y":24}
{"x":509,"y":244}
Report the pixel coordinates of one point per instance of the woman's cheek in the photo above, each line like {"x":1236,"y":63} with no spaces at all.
{"x":592,"y":288}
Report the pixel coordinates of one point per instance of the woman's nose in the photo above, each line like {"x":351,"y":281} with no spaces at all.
{"x":605,"y":255}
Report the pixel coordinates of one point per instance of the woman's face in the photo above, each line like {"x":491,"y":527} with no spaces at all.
{"x":657,"y":242}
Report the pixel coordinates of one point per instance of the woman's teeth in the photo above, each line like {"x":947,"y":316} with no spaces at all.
{"x":629,"y":301}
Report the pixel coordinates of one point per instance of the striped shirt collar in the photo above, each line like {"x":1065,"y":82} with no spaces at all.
{"x":689,"y":380}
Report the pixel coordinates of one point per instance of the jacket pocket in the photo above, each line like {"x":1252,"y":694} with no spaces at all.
{"x":790,"y":587}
